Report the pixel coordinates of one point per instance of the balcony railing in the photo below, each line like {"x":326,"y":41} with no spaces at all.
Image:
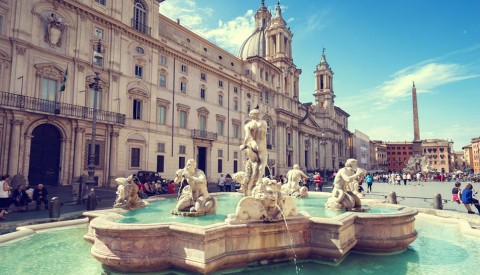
{"x":139,"y":26}
{"x":204,"y":135}
{"x":61,"y":109}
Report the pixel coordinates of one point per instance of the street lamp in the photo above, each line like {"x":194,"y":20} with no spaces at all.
{"x":323,"y":141}
{"x":98,"y":56}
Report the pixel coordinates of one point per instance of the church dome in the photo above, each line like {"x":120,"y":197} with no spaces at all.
{"x":254,"y":45}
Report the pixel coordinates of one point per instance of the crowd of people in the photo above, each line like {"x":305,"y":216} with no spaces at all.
{"x":152,"y":187}
{"x":20,"y":197}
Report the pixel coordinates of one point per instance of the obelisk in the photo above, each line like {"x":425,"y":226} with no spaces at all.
{"x":417,"y":143}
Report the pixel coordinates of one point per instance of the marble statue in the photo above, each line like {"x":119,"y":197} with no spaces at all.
{"x":267,"y":203}
{"x":255,"y":146}
{"x":194,"y":197}
{"x":127,"y":194}
{"x":418,"y":164}
{"x":344,"y":183}
{"x":292,"y":187}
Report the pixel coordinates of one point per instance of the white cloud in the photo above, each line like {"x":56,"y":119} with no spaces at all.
{"x":430,"y":76}
{"x":227,"y":34}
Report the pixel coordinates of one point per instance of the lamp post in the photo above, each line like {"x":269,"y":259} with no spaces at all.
{"x":323,"y":142}
{"x":98,"y":55}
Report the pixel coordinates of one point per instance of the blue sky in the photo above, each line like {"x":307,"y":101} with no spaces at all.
{"x":376,"y":48}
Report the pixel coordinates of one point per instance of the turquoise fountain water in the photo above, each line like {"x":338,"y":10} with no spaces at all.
{"x":439,"y":249}
{"x":159,"y":212}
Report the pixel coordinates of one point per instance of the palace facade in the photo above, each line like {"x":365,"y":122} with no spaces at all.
{"x":165,"y":94}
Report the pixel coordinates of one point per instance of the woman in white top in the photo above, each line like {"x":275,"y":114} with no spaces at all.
{"x":5,"y":200}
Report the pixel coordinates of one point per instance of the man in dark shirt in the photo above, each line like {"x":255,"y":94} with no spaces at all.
{"x":40,"y":195}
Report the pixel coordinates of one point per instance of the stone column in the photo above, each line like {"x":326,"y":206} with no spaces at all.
{"x":14,"y":147}
{"x":78,"y":161}
{"x":66,"y":162}
{"x":301,"y":147}
{"x":113,"y":156}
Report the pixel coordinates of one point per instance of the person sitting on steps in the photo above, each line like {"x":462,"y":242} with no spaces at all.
{"x":467,"y":198}
{"x":40,"y":195}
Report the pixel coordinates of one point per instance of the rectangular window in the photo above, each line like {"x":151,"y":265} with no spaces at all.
{"x":220,"y":127}
{"x":235,"y":105}
{"x":235,"y":90}
{"x":183,"y":119}
{"x":162,"y":80}
{"x":202,"y":94}
{"x":183,"y":87}
{"x":203,"y":76}
{"x":235,"y":130}
{"x":160,"y":164}
{"x":235,"y":154}
{"x":161,"y":147}
{"x":98,"y":33}
{"x":235,"y":166}
{"x":181,"y":162}
{"x":137,"y":109}
{"x":220,"y":83}
{"x":261,"y":73}
{"x":289,"y":139}
{"x":162,"y":115}
{"x":220,"y":153}
{"x":49,"y":88}
{"x":220,"y":100}
{"x":202,"y":123}
{"x":97,"y":61}
{"x":96,"y":160}
{"x":266,"y":76}
{"x":138,"y":71}
{"x":266,"y":97}
{"x":103,"y":2}
{"x":261,"y":96}
{"x":1,"y":24}
{"x":163,"y":60}
{"x":220,"y":166}
{"x":182,"y":149}
{"x":184,"y":69}
{"x":135,"y":157}
{"x":91,"y":98}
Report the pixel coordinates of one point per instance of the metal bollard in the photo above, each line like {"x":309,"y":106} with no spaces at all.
{"x":437,"y":201}
{"x":392,"y":198}
{"x":91,"y":200}
{"x":54,"y":208}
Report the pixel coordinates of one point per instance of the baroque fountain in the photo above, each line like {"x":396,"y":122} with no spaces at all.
{"x":266,"y":225}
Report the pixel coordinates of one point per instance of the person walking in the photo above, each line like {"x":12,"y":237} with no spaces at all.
{"x":369,"y":181}
{"x":228,"y":183}
{"x":221,"y":183}
{"x":404,"y":177}
{"x":318,"y":182}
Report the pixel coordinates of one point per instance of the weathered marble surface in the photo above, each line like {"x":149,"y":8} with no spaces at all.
{"x":345,"y":185}
{"x":205,"y":249}
{"x":127,"y":194}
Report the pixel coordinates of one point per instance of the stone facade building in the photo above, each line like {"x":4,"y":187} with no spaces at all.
{"x":166,"y":94}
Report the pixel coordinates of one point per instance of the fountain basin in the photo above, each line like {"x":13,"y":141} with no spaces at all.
{"x":205,"y":249}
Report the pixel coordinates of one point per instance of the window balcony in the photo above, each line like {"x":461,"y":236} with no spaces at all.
{"x":201,"y":134}
{"x":43,"y":106}
{"x":139,"y":26}
{"x":269,"y":146}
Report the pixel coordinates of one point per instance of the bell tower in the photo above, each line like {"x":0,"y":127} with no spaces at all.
{"x":279,"y":38}
{"x":324,"y":95}
{"x":262,"y":17}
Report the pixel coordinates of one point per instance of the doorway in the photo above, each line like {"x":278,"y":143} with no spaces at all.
{"x":202,"y":159}
{"x":44,"y":155}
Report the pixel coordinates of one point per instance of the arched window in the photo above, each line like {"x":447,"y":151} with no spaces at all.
{"x":139,"y":20}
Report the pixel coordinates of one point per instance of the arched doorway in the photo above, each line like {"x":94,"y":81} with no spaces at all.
{"x":44,"y":155}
